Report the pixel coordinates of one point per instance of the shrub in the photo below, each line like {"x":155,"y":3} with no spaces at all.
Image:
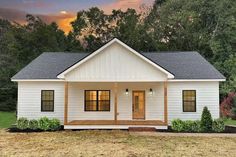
{"x":206,"y":120}
{"x":227,"y":104}
{"x":33,"y":124}
{"x":44,"y":123}
{"x":177,"y":125}
{"x":22,"y":123}
{"x":218,"y":125}
{"x":54,"y":124}
{"x":233,"y":110}
{"x":196,"y":126}
{"x":188,"y":125}
{"x":192,"y":126}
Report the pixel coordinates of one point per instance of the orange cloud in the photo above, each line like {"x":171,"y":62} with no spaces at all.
{"x":63,"y":20}
{"x":65,"y":25}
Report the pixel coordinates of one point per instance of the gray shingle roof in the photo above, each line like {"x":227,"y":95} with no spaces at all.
{"x":183,"y":65}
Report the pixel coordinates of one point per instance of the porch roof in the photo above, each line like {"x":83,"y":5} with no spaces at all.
{"x":184,"y":65}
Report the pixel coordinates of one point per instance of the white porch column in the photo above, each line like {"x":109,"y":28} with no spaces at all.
{"x":66,"y":104}
{"x":165,"y":104}
{"x":115,"y":105}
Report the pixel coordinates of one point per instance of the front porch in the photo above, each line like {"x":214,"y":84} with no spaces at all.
{"x":121,"y":113}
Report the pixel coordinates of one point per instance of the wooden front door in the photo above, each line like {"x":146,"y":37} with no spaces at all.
{"x":138,"y":104}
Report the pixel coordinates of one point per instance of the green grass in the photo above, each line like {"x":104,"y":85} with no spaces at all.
{"x":7,"y":119}
{"x":230,"y":122}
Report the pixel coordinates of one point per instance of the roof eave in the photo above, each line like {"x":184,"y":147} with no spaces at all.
{"x":198,"y":80}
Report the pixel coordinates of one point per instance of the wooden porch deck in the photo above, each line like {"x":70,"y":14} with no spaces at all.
{"x":117,"y":122}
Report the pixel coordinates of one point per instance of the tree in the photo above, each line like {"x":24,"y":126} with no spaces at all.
{"x":21,"y":44}
{"x":208,"y":27}
{"x":206,"y":120}
{"x":8,"y":66}
{"x":95,"y":28}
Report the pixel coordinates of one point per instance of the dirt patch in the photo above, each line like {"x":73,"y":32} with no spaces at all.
{"x":112,"y":143}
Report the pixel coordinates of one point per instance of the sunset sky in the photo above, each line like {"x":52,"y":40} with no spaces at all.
{"x":61,"y":11}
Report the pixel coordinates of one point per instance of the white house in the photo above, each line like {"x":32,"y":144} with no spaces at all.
{"x":116,"y":87}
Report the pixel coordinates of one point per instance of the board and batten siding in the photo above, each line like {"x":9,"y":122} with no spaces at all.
{"x":207,"y":94}
{"x":115,"y":64}
{"x":29,"y":99}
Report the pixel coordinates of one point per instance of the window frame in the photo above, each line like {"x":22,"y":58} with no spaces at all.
{"x":97,"y":101}
{"x":195,"y":101}
{"x":47,"y":100}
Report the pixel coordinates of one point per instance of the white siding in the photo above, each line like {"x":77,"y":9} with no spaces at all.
{"x":154,"y":103}
{"x":207,"y":94}
{"x":114,"y":64}
{"x":29,"y":99}
{"x":76,"y":102}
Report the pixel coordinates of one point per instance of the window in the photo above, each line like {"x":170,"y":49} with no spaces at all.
{"x":97,"y":100}
{"x":47,"y":100}
{"x":189,"y":100}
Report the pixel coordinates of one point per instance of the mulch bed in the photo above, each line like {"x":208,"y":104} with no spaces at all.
{"x":228,"y":129}
{"x":15,"y":129}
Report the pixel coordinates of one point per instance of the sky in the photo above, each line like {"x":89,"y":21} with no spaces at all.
{"x":61,"y":11}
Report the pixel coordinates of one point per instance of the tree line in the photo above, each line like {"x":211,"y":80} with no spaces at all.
{"x":208,"y":27}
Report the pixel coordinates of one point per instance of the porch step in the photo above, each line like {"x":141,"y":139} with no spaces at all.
{"x":142,"y":129}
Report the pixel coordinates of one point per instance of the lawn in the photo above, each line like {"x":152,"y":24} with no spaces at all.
{"x":112,"y":143}
{"x":230,"y":122}
{"x":7,"y":119}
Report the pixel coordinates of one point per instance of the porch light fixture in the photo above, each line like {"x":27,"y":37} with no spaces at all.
{"x":151,"y":91}
{"x":126,"y":91}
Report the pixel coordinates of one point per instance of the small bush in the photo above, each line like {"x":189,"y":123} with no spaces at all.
{"x":189,"y":126}
{"x":177,"y":125}
{"x":54,"y":124}
{"x":206,"y":120}
{"x":22,"y":123}
{"x":33,"y":124}
{"x":186,"y":126}
{"x":218,"y":125}
{"x":227,"y":105}
{"x":44,"y":123}
{"x":196,"y":126}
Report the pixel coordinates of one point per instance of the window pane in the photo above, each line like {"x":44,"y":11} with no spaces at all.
{"x":47,"y":95}
{"x":47,"y":105}
{"x":91,"y":106}
{"x":103,"y":95}
{"x":189,"y":106}
{"x":104,"y":105}
{"x":189,"y":95}
{"x":91,"y":95}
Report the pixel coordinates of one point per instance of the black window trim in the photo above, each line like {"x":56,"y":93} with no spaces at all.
{"x":44,"y":100}
{"x":97,"y":101}
{"x":195,"y":109}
